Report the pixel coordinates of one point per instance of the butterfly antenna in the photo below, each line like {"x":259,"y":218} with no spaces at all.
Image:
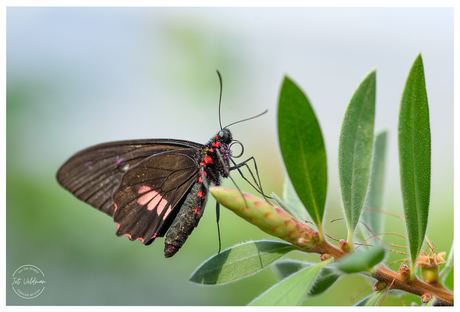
{"x":246,"y":119}
{"x":220,"y":97}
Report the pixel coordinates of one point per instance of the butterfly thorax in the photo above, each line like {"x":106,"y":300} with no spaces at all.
{"x":215,"y":157}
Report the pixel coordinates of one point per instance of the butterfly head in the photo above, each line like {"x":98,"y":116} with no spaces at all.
{"x":224,"y":136}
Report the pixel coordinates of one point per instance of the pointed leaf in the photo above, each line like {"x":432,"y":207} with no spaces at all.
{"x":284,"y":206}
{"x":292,"y":200}
{"x":326,"y":278}
{"x":374,"y":199}
{"x":415,"y":157}
{"x":372,"y":300}
{"x":449,"y":265}
{"x":284,"y":268}
{"x":361,"y":260}
{"x":292,"y":290}
{"x":239,"y":261}
{"x":355,"y":150}
{"x":302,"y":148}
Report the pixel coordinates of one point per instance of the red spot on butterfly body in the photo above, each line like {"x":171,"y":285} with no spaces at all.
{"x":215,"y":144}
{"x":196,"y":210}
{"x":200,"y":194}
{"x":208,"y":159}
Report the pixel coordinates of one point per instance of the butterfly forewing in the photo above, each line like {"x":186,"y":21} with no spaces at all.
{"x":93,"y":174}
{"x":147,"y":198}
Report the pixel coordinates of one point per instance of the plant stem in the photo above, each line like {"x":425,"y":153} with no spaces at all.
{"x":388,"y":276}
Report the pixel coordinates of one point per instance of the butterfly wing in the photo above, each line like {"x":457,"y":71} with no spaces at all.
{"x":93,"y":174}
{"x":150,"y":194}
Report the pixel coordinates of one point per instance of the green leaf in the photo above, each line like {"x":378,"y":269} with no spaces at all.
{"x":361,"y":260}
{"x":326,"y":278}
{"x":415,"y":157}
{"x":239,"y":261}
{"x":284,"y":206}
{"x":284,"y":268}
{"x":448,"y":265}
{"x":292,"y":290}
{"x":374,"y":199}
{"x":292,"y":200}
{"x":355,"y":151}
{"x":302,"y":148}
{"x":373,"y":299}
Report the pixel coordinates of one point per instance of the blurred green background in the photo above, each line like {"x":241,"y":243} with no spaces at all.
{"x":81,"y":76}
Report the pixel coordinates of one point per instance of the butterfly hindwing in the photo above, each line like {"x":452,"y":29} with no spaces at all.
{"x":151,"y":193}
{"x":93,"y":174}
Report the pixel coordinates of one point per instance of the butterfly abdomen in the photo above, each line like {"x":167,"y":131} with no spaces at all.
{"x":186,"y":220}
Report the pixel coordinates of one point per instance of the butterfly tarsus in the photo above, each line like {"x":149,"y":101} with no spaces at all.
{"x":258,"y":183}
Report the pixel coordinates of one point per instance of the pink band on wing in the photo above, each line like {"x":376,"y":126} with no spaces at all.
{"x":147,"y":197}
{"x":143,"y":189}
{"x":152,"y":199}
{"x":158,"y":200}
{"x":167,"y":212}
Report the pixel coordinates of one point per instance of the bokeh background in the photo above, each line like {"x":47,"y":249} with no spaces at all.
{"x":81,"y":76}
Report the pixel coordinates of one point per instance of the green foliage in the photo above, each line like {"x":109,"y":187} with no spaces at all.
{"x":290,"y":291}
{"x":239,"y":261}
{"x":372,"y":300}
{"x":449,"y":265}
{"x":355,"y":151}
{"x":362,"y":260}
{"x":361,"y":172}
{"x":326,"y":277}
{"x":302,"y":147}
{"x":415,"y":157}
{"x":374,"y":199}
{"x":291,"y":202}
{"x":285,"y":267}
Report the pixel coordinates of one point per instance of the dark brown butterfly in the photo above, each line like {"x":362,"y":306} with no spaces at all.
{"x":150,"y":186}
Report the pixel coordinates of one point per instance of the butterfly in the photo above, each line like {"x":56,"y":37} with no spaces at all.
{"x":152,"y":188}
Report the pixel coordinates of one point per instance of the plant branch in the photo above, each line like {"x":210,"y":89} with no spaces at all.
{"x":388,"y":276}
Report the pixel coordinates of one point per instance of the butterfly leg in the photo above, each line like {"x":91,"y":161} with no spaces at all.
{"x":258,"y":183}
{"x":218,"y":228}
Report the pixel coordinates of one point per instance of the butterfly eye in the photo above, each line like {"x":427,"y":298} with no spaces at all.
{"x":225,"y":135}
